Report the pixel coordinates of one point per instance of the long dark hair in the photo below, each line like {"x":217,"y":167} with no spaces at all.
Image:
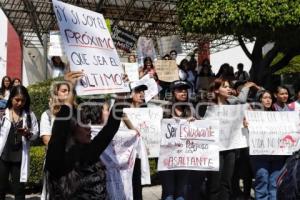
{"x":3,"y":88}
{"x":145,"y":60}
{"x":21,"y":90}
{"x":61,"y":65}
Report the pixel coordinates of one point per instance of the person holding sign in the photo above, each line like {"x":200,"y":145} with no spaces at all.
{"x":220,"y":183}
{"x":72,"y":161}
{"x":265,"y":167}
{"x":175,"y":182}
{"x":137,"y":101}
{"x":148,"y":68}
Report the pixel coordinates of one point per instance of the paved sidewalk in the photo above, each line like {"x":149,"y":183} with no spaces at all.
{"x":149,"y":193}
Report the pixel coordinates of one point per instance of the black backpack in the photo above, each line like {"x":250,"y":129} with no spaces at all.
{"x":288,"y":182}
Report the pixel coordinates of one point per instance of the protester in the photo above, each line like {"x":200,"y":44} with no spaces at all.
{"x":17,"y":128}
{"x":137,"y":101}
{"x":131,"y":59}
{"x":60,"y":93}
{"x":16,"y":82}
{"x":5,"y":91}
{"x":282,"y":96}
{"x":220,"y":183}
{"x":59,"y":68}
{"x":266,"y":168}
{"x":186,"y":74}
{"x":75,"y":171}
{"x":175,"y":182}
{"x":241,"y":75}
{"x":166,"y":57}
{"x":148,"y":68}
{"x":173,"y":54}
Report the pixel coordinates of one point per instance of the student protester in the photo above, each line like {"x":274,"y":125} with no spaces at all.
{"x":241,"y":74}
{"x":131,"y":59}
{"x":186,"y":74}
{"x":148,"y":68}
{"x":173,"y":54}
{"x":60,"y":92}
{"x":166,"y":57}
{"x":281,"y":96}
{"x":5,"y":91}
{"x":18,"y":127}
{"x":295,"y":105}
{"x":137,"y":100}
{"x":72,"y":160}
{"x":266,"y":168}
{"x":220,"y":183}
{"x":59,"y":68}
{"x":16,"y":82}
{"x":175,"y":182}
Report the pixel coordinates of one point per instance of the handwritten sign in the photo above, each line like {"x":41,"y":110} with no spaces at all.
{"x":189,"y":145}
{"x":231,"y":118}
{"x":169,"y":43}
{"x":55,"y":45}
{"x":123,"y":39}
{"x":273,"y":133}
{"x":119,"y":158}
{"x":167,"y":70}
{"x":132,"y":71}
{"x":89,"y":48}
{"x":147,"y":121}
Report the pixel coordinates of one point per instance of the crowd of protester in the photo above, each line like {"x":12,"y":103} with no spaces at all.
{"x":72,"y":168}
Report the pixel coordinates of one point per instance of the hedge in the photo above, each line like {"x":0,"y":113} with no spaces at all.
{"x":37,"y":157}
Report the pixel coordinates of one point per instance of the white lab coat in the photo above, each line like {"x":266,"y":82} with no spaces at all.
{"x":5,"y":125}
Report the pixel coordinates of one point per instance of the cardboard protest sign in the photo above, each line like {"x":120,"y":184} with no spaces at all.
{"x":55,"y":44}
{"x":132,"y":71}
{"x":273,"y":133}
{"x":89,"y":48}
{"x":231,"y":118}
{"x":145,"y":48}
{"x":123,"y":39}
{"x":147,"y":121}
{"x":167,"y":70}
{"x":189,"y":145}
{"x":169,"y":43}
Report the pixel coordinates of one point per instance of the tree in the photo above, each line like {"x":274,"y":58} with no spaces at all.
{"x":262,"y":21}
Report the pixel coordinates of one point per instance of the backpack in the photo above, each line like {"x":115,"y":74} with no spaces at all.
{"x":288,"y":181}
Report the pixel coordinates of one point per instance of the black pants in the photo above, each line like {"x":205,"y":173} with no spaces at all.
{"x":242,"y":171}
{"x":136,"y":180}
{"x":174,"y":183}
{"x":12,"y":169}
{"x":220,"y":183}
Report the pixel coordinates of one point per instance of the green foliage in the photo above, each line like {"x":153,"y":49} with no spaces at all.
{"x":271,"y":18}
{"x":37,"y":156}
{"x":292,"y":67}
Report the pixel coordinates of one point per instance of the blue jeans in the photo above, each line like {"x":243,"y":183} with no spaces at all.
{"x":3,"y":103}
{"x":174,"y":184}
{"x":266,"y":170}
